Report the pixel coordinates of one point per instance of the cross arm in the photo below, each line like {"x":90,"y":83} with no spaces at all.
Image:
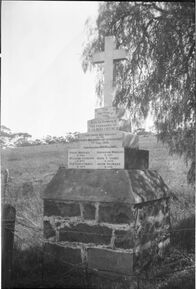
{"x":120,"y":54}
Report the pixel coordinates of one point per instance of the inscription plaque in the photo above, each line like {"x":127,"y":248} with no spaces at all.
{"x":103,"y":124}
{"x":96,"y":159}
{"x":108,"y":139}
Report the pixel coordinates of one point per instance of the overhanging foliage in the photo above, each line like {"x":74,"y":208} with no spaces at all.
{"x":160,"y":73}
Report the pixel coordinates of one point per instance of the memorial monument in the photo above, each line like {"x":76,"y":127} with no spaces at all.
{"x":105,"y":208}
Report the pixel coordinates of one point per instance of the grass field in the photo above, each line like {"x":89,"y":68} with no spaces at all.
{"x":37,"y":165}
{"x":31,"y":169}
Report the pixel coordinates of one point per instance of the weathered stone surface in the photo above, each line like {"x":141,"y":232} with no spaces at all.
{"x":117,"y":213}
{"x":86,"y":234}
{"x":136,"y":159}
{"x":48,"y":230}
{"x":152,"y":221}
{"x":148,"y":185}
{"x":55,"y":208}
{"x":58,"y":261}
{"x":127,"y":186}
{"x":89,"y":185}
{"x":89,"y":211}
{"x":124,"y":239}
{"x":108,"y":260}
{"x":63,"y":254}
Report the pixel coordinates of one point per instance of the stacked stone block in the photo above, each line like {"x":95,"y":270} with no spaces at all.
{"x":105,"y":231}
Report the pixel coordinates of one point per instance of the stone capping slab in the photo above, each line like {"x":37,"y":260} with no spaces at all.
{"x":123,"y":186}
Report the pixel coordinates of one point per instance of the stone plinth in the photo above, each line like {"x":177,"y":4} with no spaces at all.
{"x":107,"y":218}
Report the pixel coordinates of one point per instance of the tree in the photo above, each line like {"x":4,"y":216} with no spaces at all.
{"x":5,"y":129}
{"x":22,"y":139}
{"x":160,"y":73}
{"x":71,"y":136}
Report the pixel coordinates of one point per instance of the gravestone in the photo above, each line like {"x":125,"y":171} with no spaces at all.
{"x":105,"y":209}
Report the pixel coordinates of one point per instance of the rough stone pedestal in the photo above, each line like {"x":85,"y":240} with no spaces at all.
{"x":105,"y":221}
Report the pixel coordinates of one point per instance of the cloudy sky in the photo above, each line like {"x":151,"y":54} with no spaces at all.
{"x":44,"y":90}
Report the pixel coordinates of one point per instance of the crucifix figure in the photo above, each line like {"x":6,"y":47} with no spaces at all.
{"x":107,"y":57}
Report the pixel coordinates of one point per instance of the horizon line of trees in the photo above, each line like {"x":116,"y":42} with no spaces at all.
{"x":22,"y":139}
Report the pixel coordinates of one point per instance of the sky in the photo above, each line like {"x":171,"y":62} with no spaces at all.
{"x":44,"y":89}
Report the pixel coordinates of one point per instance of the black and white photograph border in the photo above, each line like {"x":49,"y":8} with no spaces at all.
{"x":98,"y":144}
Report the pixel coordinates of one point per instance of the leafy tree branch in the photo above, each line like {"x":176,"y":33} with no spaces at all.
{"x":160,"y":73}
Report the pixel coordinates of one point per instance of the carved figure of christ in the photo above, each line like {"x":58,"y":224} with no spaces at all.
{"x":107,"y":57}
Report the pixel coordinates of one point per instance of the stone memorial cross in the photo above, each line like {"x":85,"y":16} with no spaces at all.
{"x":107,"y":57}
